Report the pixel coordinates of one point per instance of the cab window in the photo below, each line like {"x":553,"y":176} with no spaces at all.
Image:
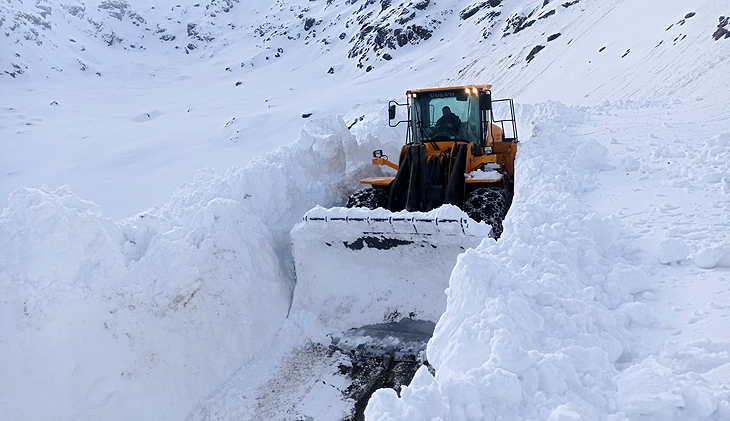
{"x":445,"y":115}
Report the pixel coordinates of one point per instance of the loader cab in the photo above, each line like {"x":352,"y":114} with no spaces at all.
{"x":429,"y":109}
{"x":471,"y":109}
{"x":487,"y":127}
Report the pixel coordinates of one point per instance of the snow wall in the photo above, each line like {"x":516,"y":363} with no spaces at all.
{"x":537,"y":325}
{"x":142,"y":318}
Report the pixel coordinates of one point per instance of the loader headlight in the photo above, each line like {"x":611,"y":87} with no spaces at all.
{"x":378,"y":153}
{"x":467,"y":90}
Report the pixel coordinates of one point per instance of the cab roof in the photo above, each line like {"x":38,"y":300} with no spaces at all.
{"x":450,"y":88}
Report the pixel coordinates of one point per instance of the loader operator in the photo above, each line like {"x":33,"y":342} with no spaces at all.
{"x":449,"y":122}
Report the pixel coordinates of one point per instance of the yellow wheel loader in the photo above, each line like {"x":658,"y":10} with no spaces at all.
{"x":455,"y":153}
{"x":373,"y":275}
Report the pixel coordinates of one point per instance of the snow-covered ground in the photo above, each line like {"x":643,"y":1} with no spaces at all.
{"x":157,"y":285}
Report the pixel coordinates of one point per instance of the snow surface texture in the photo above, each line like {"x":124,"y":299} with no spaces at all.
{"x":98,"y":317}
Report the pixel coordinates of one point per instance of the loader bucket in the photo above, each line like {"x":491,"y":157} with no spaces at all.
{"x":358,"y":267}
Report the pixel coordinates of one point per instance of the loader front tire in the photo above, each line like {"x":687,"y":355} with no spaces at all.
{"x":368,"y":198}
{"x":488,"y":204}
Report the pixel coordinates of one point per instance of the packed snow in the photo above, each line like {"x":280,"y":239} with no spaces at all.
{"x":156,"y":164}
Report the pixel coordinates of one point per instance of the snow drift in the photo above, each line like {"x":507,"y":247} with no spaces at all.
{"x":98,"y":317}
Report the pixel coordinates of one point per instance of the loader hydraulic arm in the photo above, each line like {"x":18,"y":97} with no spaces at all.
{"x":383,"y":161}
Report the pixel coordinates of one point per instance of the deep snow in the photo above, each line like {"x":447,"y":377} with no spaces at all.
{"x":606,"y":298}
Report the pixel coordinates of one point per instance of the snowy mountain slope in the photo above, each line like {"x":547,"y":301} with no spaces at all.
{"x":91,"y":37}
{"x":612,"y":48}
{"x":172,"y":297}
{"x":685,"y":212}
{"x":262,"y":70}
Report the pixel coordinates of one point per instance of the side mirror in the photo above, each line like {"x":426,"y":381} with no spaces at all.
{"x":485,"y":100}
{"x":391,"y":112}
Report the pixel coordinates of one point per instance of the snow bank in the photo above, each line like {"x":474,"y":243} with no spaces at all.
{"x":537,"y":323}
{"x":95,"y":327}
{"x":321,"y":168}
{"x":90,"y":333}
{"x":140,"y":319}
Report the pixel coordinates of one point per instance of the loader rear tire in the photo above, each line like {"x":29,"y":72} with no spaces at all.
{"x":368,"y":198}
{"x":488,"y":204}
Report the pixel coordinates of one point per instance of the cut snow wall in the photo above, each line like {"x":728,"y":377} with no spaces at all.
{"x":141,"y":319}
{"x":90,"y":334}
